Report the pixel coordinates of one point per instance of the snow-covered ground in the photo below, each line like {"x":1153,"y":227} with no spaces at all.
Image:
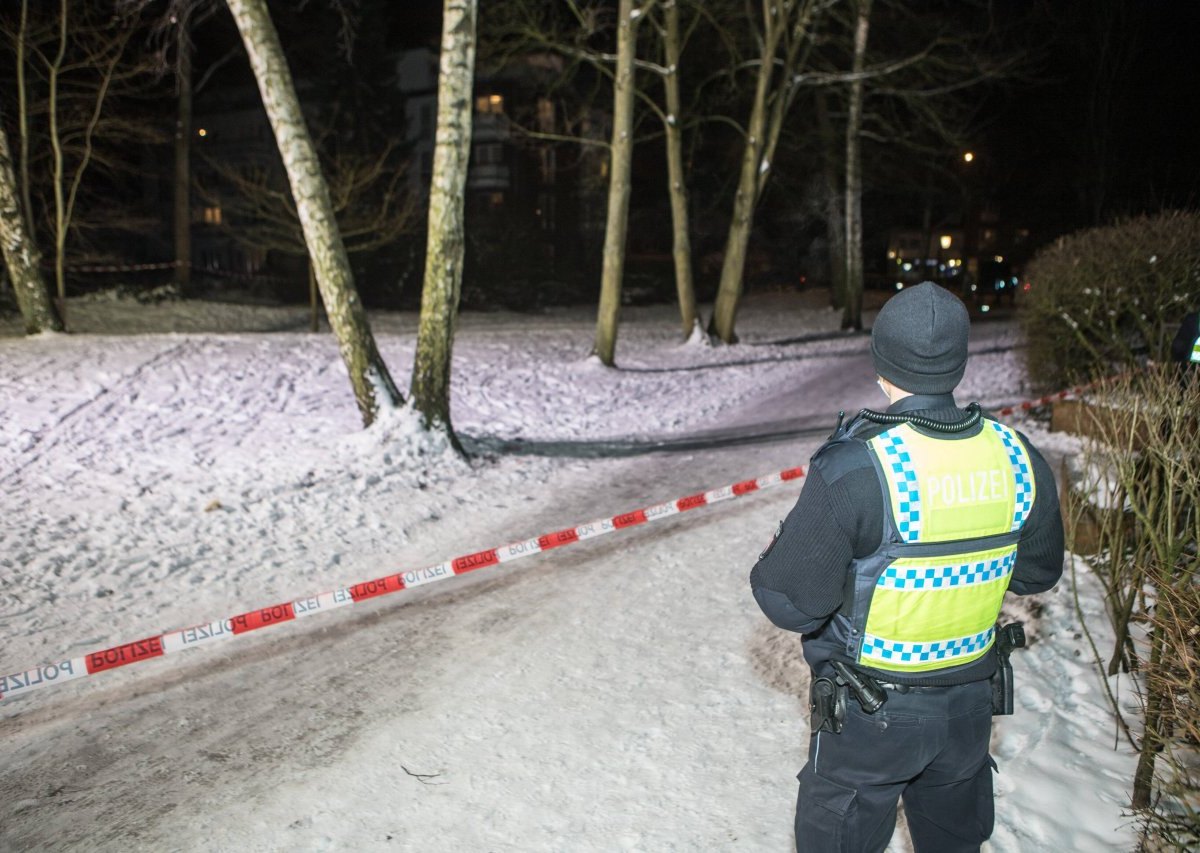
{"x":173,"y":464}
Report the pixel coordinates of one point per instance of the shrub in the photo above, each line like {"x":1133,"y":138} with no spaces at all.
{"x":1109,"y":297}
{"x":1145,"y":444}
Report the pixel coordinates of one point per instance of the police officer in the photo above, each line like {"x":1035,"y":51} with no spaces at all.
{"x":1185,"y":348}
{"x":911,"y":526}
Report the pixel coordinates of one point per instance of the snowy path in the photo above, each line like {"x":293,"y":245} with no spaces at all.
{"x":620,"y":694}
{"x":569,"y":698}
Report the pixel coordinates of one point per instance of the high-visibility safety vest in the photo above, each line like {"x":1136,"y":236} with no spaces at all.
{"x":928,"y":598}
{"x":1195,"y":351}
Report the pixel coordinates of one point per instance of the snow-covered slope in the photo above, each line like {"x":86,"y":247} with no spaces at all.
{"x":177,"y":463}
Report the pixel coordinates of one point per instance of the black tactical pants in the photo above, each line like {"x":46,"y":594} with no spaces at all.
{"x":929,"y":746}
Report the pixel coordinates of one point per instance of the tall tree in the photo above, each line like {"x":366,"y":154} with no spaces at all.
{"x":853,"y":283}
{"x":681,"y":244}
{"x":104,"y":55}
{"x":620,"y":158}
{"x":832,"y":201}
{"x":430,"y":387}
{"x":21,"y":256}
{"x":19,"y":41}
{"x":369,"y":377}
{"x":782,"y":36}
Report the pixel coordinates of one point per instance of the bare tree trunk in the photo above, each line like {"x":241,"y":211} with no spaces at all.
{"x":20,"y":254}
{"x":835,"y":219}
{"x":23,"y":121}
{"x":60,"y":225}
{"x":183,"y":173}
{"x":852,"y":313}
{"x":681,"y":245}
{"x":729,"y":291}
{"x":784,"y":23}
{"x":620,"y":157}
{"x":66,"y":185}
{"x":369,"y":376}
{"x":445,"y":242}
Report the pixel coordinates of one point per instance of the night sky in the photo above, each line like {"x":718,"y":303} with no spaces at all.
{"x":1038,"y":132}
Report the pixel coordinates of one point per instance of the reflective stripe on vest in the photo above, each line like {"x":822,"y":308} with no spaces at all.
{"x":933,"y":612}
{"x":1196,"y":351}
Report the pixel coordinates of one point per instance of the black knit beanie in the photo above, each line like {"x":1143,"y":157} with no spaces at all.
{"x":919,"y":339}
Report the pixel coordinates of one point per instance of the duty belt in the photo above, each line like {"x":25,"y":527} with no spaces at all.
{"x":914,"y":688}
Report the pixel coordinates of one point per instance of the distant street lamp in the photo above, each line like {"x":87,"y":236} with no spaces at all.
{"x":968,"y":156}
{"x":946,"y":241}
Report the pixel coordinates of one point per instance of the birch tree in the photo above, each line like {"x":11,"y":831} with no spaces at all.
{"x":783,"y":36}
{"x":681,"y":243}
{"x":21,"y":256}
{"x":369,"y":377}
{"x":620,"y":158}
{"x":444,"y":250}
{"x":19,"y":44}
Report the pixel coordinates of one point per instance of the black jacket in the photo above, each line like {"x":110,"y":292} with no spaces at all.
{"x":1185,"y":338}
{"x":839,"y":516}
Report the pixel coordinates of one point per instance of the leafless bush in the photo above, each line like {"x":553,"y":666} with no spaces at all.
{"x":1143,"y":474}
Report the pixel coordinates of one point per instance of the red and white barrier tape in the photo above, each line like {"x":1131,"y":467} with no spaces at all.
{"x":1061,"y":395}
{"x":1041,"y":401}
{"x":51,"y":674}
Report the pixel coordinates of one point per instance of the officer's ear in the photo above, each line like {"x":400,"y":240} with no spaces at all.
{"x":888,"y":389}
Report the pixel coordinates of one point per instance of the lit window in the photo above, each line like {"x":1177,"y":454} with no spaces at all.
{"x":212,"y":215}
{"x":490,"y":104}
